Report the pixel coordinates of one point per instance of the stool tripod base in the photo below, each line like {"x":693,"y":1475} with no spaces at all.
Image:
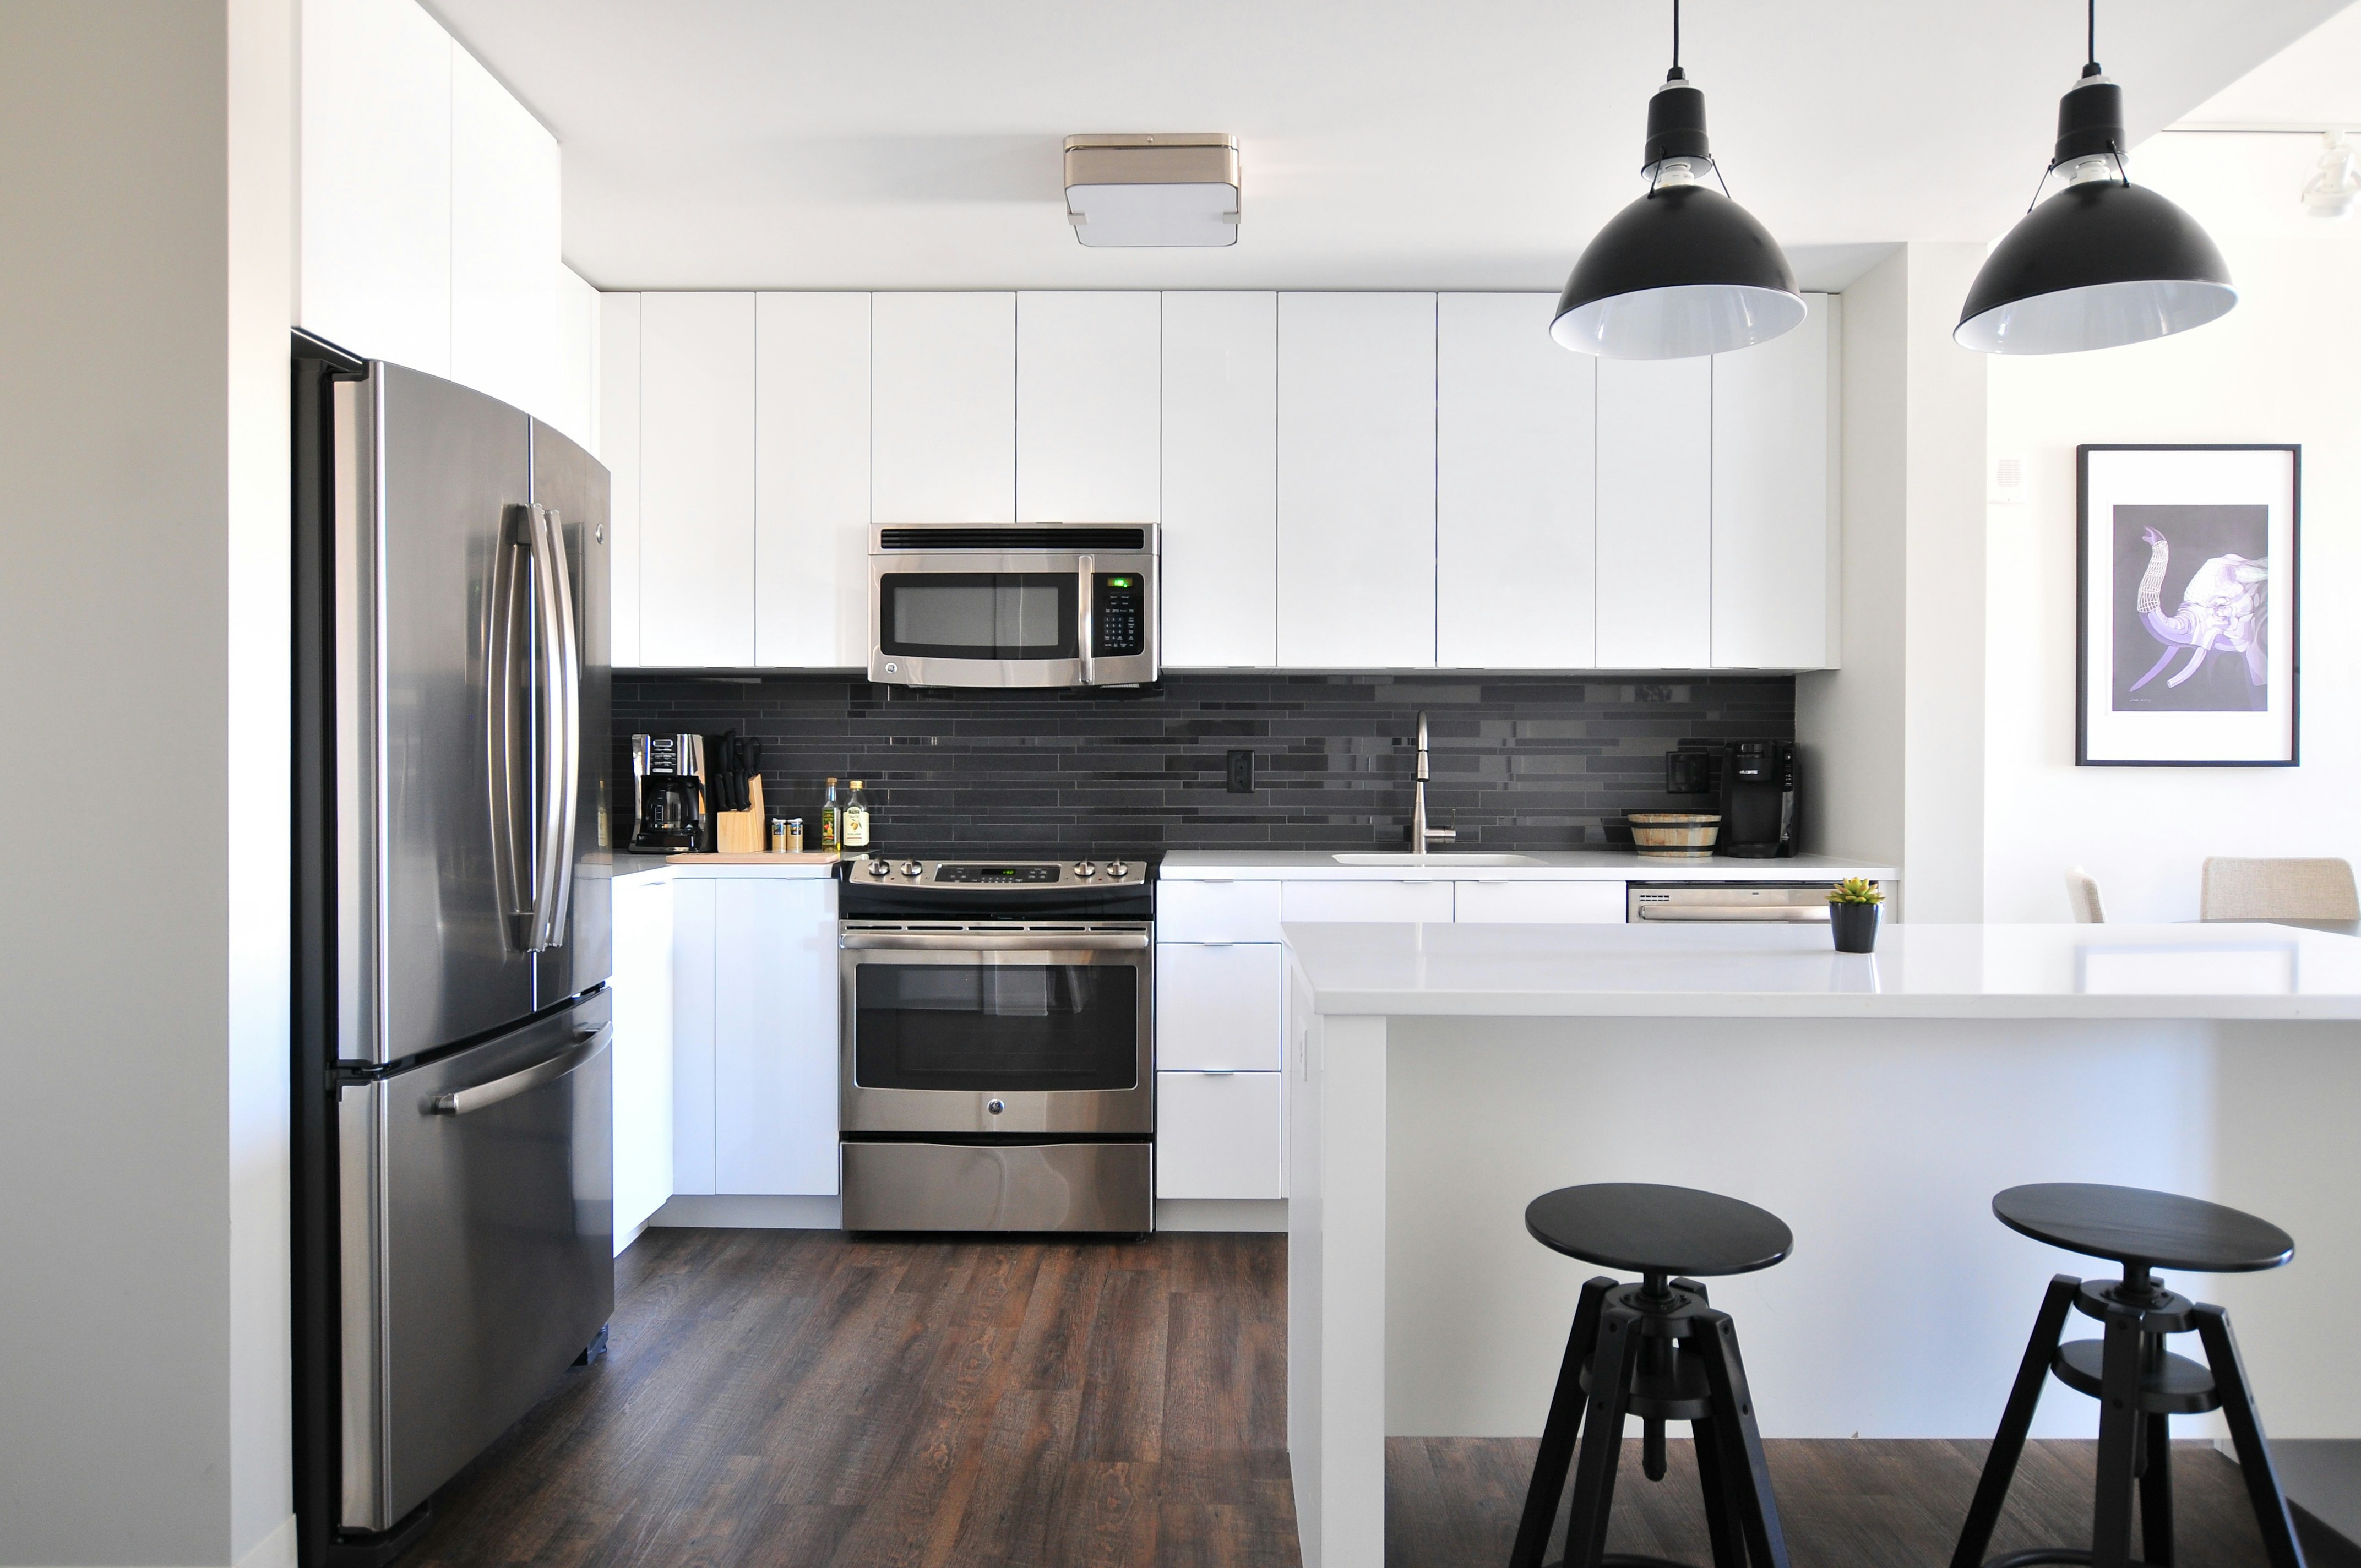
{"x":2051,"y":1554}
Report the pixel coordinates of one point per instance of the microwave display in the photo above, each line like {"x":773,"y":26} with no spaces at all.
{"x":978,"y":614}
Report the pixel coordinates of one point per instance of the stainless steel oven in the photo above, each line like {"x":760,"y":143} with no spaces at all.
{"x":1048,"y":604}
{"x":997,"y":1069}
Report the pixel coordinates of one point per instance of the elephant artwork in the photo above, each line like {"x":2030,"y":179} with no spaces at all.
{"x":2192,"y":620}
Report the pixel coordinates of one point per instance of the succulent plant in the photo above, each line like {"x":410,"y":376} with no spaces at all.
{"x":1856,"y":890}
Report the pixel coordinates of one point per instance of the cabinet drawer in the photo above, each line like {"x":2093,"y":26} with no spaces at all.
{"x":1217,"y":1136}
{"x":1217,"y":911}
{"x":1412,"y":901}
{"x":1547,"y":903}
{"x":1217,"y":1008}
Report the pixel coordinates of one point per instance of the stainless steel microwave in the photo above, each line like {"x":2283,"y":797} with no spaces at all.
{"x":1030,"y":604}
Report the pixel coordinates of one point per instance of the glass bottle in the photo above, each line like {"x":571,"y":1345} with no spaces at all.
{"x":828,"y":823}
{"x":856,"y":818}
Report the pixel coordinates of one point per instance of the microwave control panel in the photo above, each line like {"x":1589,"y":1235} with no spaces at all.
{"x":1118,"y":615}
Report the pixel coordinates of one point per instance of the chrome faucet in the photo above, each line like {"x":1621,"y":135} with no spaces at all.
{"x":1421,"y":835}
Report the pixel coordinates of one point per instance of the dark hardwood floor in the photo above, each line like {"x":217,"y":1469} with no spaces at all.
{"x":797,"y":1398}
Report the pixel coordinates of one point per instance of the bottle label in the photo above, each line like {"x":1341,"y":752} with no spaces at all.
{"x":856,"y":827}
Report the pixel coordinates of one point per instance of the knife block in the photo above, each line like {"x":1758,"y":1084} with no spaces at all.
{"x":740,"y":832}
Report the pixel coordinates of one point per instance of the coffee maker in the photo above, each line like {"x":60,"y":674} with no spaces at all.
{"x":1754,"y":787}
{"x":671,"y":806}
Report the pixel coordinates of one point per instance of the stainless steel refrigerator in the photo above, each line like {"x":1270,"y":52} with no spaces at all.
{"x":453,"y":1216}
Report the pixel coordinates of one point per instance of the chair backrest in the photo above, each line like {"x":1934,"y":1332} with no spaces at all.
{"x":2319,"y":889}
{"x":2082,"y":897}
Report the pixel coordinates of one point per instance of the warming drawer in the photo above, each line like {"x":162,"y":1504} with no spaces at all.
{"x":1750,"y":903}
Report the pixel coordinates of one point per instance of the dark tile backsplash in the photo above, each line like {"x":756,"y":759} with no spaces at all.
{"x":1519,"y":762}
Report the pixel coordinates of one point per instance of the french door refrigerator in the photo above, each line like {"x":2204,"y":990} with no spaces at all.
{"x":453,"y":1204}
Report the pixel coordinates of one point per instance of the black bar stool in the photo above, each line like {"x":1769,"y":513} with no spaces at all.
{"x":1656,"y":1350}
{"x":2139,"y":1385}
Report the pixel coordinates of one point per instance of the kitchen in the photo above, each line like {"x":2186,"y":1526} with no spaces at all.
{"x":1408,"y":568}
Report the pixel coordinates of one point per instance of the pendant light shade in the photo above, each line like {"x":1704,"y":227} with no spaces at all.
{"x":2102,"y":263}
{"x":1683,"y":270}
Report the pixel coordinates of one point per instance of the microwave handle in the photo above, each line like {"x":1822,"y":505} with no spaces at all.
{"x":1086,"y":573}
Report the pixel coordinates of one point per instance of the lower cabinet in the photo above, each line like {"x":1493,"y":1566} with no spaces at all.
{"x":1219,"y":1032}
{"x":642,"y":1051}
{"x":1217,"y":1134}
{"x":1546,"y":903}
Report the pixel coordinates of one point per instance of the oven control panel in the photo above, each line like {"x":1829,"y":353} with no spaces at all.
{"x":1118,"y":615}
{"x":986,"y":875}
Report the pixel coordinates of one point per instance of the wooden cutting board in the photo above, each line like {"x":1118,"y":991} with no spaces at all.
{"x":740,"y":832}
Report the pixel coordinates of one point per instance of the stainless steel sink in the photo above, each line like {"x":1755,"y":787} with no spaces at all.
{"x":1432,"y":857}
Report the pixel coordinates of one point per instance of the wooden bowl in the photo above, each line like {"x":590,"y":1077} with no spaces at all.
{"x":1674,"y":835}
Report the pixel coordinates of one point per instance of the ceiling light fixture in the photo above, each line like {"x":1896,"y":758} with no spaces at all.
{"x":1683,"y":270}
{"x":2102,"y":263}
{"x":2335,"y":179}
{"x":1153,"y":190}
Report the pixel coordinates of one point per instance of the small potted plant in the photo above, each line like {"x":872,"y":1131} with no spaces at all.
{"x":1852,"y":914}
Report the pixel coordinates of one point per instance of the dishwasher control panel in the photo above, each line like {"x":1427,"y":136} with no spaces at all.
{"x":1732,"y":902}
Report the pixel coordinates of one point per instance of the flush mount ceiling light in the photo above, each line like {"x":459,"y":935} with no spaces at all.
{"x":2102,"y":263}
{"x":1161,"y":190}
{"x":1683,"y":270}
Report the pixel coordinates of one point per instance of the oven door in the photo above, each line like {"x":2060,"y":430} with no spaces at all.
{"x":959,"y":1028}
{"x":1030,"y":617}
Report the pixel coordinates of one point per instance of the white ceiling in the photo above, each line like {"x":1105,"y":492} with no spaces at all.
{"x":721,"y":144}
{"x":2315,"y":82}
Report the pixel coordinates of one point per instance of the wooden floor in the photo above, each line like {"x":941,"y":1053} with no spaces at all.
{"x":795,"y":1398}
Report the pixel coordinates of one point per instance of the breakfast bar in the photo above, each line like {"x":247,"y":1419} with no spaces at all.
{"x":1440,"y":1076}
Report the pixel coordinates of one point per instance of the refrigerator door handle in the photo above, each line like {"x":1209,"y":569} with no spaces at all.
{"x":547,"y":1071}
{"x":511,"y":771}
{"x":561,"y":760}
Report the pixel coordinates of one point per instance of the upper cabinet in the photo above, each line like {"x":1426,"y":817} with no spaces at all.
{"x":1774,"y":533}
{"x":1221,"y":480}
{"x":504,"y":244}
{"x":1355,"y":481}
{"x":1087,"y":399}
{"x":1516,"y":488}
{"x":696,"y":479}
{"x":1655,"y":514}
{"x":811,"y":480}
{"x":619,"y":448}
{"x":942,"y":443}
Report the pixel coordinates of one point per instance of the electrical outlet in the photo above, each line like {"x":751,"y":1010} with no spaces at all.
{"x":1242,"y":773}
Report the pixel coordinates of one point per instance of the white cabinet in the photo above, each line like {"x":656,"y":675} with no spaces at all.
{"x":1355,"y":481}
{"x":1087,"y":406}
{"x":1216,"y":910}
{"x":1655,"y":514}
{"x":696,"y":479}
{"x":1217,"y":1006}
{"x":1220,"y":480}
{"x":692,"y":955}
{"x":811,"y":480}
{"x":1219,"y":1136}
{"x":1426,"y":902}
{"x":1774,"y":535}
{"x":376,"y":129}
{"x":775,"y":1050}
{"x":618,"y":449}
{"x":1544,"y":902}
{"x":643,"y":1050}
{"x":504,"y":243}
{"x":1515,"y":487}
{"x":943,"y":408}
{"x":575,"y":410}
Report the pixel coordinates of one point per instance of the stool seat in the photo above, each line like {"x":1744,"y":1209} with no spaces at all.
{"x":1642,"y":1228}
{"x":2134,"y":1227}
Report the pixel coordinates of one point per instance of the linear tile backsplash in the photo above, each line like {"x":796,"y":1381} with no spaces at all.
{"x":1519,"y":762}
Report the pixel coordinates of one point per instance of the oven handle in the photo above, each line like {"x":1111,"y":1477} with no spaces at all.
{"x":998,"y":941}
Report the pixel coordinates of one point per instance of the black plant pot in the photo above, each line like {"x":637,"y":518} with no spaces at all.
{"x":1854,"y":926}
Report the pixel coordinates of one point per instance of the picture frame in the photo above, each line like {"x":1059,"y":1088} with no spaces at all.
{"x":2186,"y":630}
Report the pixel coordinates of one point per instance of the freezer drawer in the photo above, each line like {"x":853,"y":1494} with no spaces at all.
{"x":476,"y":1249}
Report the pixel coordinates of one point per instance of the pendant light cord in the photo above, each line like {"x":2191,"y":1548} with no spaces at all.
{"x":2089,"y":55}
{"x":1676,"y":33}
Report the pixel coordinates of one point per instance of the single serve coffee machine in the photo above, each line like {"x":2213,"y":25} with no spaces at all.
{"x":671,"y":808}
{"x":1753,"y":786}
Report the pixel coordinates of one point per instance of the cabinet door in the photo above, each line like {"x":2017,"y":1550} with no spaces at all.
{"x":1217,"y":1008}
{"x":774,"y":1041}
{"x":1220,"y":480}
{"x":1515,"y":502}
{"x":1357,"y":481}
{"x":692,"y":1034}
{"x":1219,"y":1136}
{"x":642,"y":1049}
{"x":1541,"y":903}
{"x":1087,"y":396}
{"x":1655,"y":514}
{"x":504,"y":244}
{"x":811,"y":480}
{"x":1774,"y":534}
{"x":1216,"y":910}
{"x":943,"y":408}
{"x":376,"y":238}
{"x":696,"y":479}
{"x":1416,"y":901}
{"x":618,"y":449}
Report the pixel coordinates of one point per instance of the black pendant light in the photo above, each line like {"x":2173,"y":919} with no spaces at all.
{"x":1683,"y":270}
{"x":2104,"y":262}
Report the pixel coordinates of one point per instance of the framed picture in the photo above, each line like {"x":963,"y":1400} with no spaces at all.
{"x":2185,"y":636}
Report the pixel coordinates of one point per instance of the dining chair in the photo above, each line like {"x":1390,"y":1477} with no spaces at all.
{"x":2082,"y":897}
{"x":2291,"y":889}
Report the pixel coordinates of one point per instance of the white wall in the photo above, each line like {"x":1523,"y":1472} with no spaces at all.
{"x":2280,"y":367}
{"x":145,"y":249}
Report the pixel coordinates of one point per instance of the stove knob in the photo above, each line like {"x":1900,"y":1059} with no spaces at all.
{"x":1085,"y":870}
{"x":910,"y":868}
{"x":879,"y":868}
{"x":1118,"y":870}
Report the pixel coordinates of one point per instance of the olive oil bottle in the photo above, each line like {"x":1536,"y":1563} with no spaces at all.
{"x":830,"y":840}
{"x":856,"y":818}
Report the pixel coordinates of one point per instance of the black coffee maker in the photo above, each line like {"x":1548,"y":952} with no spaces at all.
{"x":671,"y":808}
{"x":1753,"y":786}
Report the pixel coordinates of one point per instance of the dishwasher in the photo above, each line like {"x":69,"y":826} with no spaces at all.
{"x":1748,"y":903}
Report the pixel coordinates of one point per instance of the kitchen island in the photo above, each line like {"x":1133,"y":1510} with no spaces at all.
{"x":1442,"y":1076}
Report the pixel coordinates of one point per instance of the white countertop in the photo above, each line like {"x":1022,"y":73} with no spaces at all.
{"x":1781,"y":972}
{"x":632,"y":868}
{"x":1545,"y":865}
